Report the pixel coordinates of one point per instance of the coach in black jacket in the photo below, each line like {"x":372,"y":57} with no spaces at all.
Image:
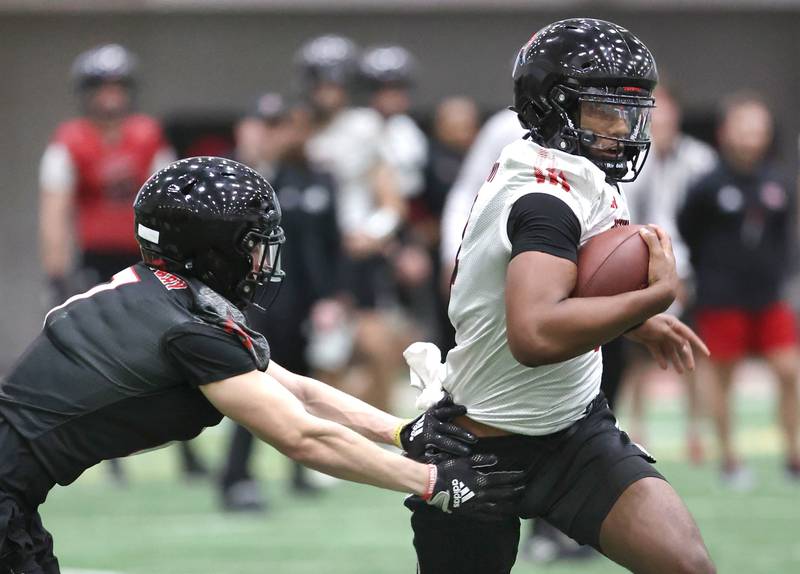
{"x":737,"y":223}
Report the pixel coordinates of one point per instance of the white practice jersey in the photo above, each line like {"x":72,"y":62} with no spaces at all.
{"x":481,"y":372}
{"x":405,"y":148}
{"x":349,"y":148}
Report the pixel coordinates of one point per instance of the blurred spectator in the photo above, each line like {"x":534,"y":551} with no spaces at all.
{"x":455,"y":125}
{"x":737,"y":224}
{"x":498,"y":131}
{"x":675,"y":163}
{"x":348,"y":143}
{"x":89,"y":175}
{"x":310,"y":260}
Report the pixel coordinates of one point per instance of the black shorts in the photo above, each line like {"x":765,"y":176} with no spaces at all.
{"x":25,"y":546}
{"x":577,"y":475}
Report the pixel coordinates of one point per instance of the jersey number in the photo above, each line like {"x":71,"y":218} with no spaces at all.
{"x":553,"y":176}
{"x":124,"y":277}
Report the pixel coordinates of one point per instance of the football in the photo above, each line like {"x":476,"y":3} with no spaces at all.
{"x":613,"y":262}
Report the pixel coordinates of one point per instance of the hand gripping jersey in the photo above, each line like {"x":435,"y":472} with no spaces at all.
{"x":116,"y":370}
{"x":481,"y":372}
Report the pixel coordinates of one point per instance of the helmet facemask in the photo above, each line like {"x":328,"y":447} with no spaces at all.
{"x":261,"y":284}
{"x":610,"y":129}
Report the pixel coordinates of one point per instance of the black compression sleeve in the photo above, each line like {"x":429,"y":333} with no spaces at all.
{"x":541,"y":222}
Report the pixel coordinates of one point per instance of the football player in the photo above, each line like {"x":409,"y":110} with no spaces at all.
{"x":388,"y":72}
{"x":92,"y":169}
{"x":162,"y":351}
{"x":348,"y":143}
{"x":583,"y":91}
{"x":89,"y":174}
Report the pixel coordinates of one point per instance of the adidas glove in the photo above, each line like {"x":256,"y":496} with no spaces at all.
{"x":459,"y":485}
{"x":432,"y":432}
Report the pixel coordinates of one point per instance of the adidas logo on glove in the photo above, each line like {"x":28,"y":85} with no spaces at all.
{"x":461,"y":493}
{"x":417,"y":428}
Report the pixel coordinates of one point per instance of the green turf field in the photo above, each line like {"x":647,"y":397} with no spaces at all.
{"x":159,"y":525}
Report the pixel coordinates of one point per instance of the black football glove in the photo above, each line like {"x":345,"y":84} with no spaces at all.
{"x":432,"y":432}
{"x":460,"y":486}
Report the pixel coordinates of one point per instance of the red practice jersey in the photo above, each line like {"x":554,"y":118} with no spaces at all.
{"x":107,"y":176}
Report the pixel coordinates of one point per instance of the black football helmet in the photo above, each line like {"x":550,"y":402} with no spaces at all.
{"x":387,"y":66}
{"x":217,"y":220}
{"x":107,"y":63}
{"x":585,"y":87}
{"x":329,"y":58}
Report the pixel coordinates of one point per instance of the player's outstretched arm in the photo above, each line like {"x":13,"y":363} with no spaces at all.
{"x":545,"y":325}
{"x":326,"y":402}
{"x":276,"y":416}
{"x":432,"y":429}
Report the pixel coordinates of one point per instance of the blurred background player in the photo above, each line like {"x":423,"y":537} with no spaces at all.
{"x":348,"y":143}
{"x":388,"y":74}
{"x":499,"y":130}
{"x":456,"y":122}
{"x":89,"y":175}
{"x":675,"y":163}
{"x":310,"y":260}
{"x":737,"y":223}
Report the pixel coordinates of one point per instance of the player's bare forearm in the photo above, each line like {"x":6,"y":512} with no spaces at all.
{"x":276,"y":416}
{"x":331,"y":404}
{"x":55,"y":212}
{"x":577,"y":325}
{"x":338,"y":451}
{"x":545,"y":325}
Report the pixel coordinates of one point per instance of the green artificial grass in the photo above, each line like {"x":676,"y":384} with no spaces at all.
{"x":160,"y":524}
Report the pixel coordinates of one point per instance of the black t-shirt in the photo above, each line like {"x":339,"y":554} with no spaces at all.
{"x":541,"y":222}
{"x":116,"y":369}
{"x":738,"y":230}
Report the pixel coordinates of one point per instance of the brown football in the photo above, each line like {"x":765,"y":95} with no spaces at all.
{"x":613,"y":262}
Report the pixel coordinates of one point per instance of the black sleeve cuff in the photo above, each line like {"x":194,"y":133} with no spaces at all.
{"x":542,"y":222}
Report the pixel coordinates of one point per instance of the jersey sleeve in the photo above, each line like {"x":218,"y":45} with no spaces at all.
{"x":543,"y":222}
{"x":205,"y":353}
{"x":57,"y":170}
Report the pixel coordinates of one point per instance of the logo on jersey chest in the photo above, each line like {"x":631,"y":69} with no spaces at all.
{"x":621,"y":222}
{"x":169,"y":280}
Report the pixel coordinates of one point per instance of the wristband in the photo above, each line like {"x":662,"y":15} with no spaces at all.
{"x":433,"y":474}
{"x":396,"y":440}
